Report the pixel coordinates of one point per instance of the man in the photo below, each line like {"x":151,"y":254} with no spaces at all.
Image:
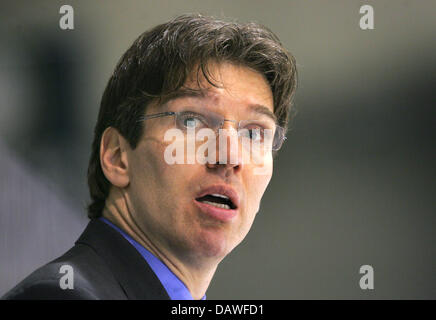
{"x":159,"y":227}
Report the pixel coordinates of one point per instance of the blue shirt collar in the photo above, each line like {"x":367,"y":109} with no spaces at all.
{"x":175,"y":288}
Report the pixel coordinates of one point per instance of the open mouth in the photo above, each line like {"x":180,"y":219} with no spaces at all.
{"x":217,"y":200}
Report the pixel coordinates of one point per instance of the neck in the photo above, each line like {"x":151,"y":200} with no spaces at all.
{"x":193,"y":272}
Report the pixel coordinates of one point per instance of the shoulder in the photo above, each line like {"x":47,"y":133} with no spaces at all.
{"x":78,"y":274}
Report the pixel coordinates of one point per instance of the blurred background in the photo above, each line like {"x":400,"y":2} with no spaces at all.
{"x":355,"y":183}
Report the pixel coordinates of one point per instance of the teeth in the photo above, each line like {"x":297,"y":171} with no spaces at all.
{"x":219,"y":205}
{"x":219,"y":195}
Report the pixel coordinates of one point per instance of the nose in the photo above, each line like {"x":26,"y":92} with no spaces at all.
{"x":228,"y":149}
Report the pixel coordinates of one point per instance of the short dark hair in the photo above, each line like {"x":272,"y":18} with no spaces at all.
{"x":159,"y":62}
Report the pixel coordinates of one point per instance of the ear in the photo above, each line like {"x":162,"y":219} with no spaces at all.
{"x":113,"y":157}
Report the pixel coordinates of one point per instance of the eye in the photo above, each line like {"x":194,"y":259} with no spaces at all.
{"x":190,"y":120}
{"x":254,"y":133}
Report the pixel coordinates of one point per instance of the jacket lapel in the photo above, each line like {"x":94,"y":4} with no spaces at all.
{"x":128,"y":266}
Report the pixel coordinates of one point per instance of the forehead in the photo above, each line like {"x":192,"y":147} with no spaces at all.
{"x":233,"y":86}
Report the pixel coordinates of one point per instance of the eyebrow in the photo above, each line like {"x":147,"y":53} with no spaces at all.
{"x":199,"y":93}
{"x":258,"y":108}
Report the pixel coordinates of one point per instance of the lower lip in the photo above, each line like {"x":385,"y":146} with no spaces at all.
{"x":224,"y":215}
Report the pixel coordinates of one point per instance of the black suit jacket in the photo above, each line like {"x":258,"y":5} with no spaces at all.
{"x":105,"y":266}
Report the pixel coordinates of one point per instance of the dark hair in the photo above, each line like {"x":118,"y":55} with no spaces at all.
{"x":161,"y":59}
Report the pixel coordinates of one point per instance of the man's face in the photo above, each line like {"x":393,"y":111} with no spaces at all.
{"x":162,"y":197}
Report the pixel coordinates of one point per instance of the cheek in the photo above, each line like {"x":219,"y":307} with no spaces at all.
{"x":147,"y":174}
{"x":143,"y":166}
{"x":158,"y":187}
{"x":256,"y":185}
{"x":148,"y":160}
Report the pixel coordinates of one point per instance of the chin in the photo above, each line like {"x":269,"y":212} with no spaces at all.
{"x":213,"y":244}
